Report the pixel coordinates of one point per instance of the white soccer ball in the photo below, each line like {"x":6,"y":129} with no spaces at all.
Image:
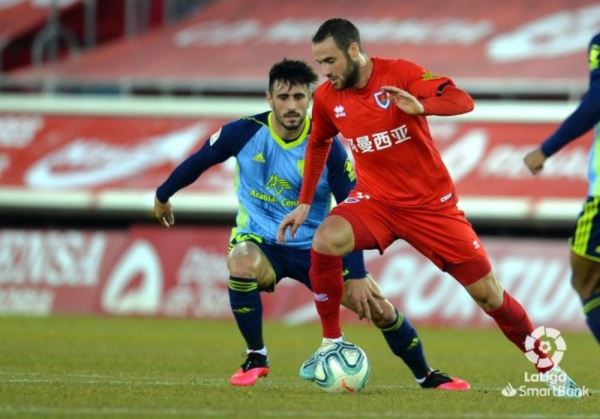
{"x":342,"y":367}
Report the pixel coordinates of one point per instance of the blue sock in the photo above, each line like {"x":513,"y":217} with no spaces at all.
{"x":591,"y":309}
{"x":244,"y":299}
{"x":404,"y":342}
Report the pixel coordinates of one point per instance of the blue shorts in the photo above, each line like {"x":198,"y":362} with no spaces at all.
{"x":289,"y":262}
{"x":585,"y":241}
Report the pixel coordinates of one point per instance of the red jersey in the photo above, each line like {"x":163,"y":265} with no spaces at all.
{"x":395,"y":158}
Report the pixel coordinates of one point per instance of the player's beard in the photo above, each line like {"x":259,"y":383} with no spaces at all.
{"x":351,"y":75}
{"x":290,"y":127}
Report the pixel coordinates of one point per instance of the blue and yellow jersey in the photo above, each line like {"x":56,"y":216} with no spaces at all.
{"x":268,"y":177}
{"x":585,"y":117}
{"x":594,"y":95}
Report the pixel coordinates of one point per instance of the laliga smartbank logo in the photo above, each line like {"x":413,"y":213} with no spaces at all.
{"x":544,"y":348}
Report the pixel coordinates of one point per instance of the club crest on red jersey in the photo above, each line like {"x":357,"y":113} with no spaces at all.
{"x":382,"y":99}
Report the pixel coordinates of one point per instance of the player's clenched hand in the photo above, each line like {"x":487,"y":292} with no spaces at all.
{"x":534,"y":160}
{"x":404,"y":100}
{"x":293,"y":221}
{"x":164,"y":213}
{"x":364,"y":298}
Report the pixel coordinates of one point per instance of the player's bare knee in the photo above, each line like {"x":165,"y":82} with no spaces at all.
{"x":330,"y":240}
{"x":578,"y":284}
{"x":334,"y":236}
{"x":242,"y":267}
{"x":585,"y":285}
{"x":266,"y":283}
{"x":386,"y":318}
{"x":490,"y":302}
{"x":324,"y":242}
{"x":487,"y":292}
{"x":244,"y":261}
{"x":586,"y":275}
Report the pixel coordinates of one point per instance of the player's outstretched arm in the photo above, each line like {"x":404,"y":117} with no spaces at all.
{"x":164,"y":213}
{"x":534,"y":160}
{"x":293,"y":221}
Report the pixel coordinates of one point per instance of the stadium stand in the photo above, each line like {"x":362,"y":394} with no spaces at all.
{"x":522,"y":49}
{"x":36,"y":31}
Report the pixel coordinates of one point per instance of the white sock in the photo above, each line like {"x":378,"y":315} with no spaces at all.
{"x":262,"y":351}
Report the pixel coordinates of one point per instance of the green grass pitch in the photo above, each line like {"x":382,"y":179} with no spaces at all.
{"x":138,"y":367}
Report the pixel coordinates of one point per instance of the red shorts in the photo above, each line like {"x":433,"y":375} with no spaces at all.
{"x":442,"y":234}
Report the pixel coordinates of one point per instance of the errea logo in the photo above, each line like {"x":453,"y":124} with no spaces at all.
{"x":321,"y":297}
{"x":340,"y":112}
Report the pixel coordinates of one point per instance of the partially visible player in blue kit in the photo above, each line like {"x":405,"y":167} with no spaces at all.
{"x":269,"y":149}
{"x":585,"y":241}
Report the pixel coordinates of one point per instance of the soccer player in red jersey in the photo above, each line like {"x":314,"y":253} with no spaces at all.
{"x":403,"y":189}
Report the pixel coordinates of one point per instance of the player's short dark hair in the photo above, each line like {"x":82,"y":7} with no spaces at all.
{"x":293,"y":72}
{"x":341,"y":30}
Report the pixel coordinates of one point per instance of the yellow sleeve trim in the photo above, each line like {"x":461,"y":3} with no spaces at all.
{"x":594,"y":57}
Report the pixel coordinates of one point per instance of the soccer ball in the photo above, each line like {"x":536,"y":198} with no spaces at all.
{"x":342,"y":367}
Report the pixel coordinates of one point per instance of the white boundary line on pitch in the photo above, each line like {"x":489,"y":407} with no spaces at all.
{"x":174,"y":411}
{"x":22,"y":378}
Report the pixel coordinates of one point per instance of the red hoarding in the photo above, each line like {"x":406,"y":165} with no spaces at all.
{"x":137,"y":153}
{"x":182,"y":272}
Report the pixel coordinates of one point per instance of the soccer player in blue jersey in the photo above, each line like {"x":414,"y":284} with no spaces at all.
{"x":585,"y":241}
{"x":269,"y":149}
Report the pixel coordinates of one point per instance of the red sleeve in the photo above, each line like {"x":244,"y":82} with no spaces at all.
{"x":317,"y":150}
{"x":452,"y":101}
{"x":437,"y":94}
{"x":314,"y":161}
{"x":418,"y":81}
